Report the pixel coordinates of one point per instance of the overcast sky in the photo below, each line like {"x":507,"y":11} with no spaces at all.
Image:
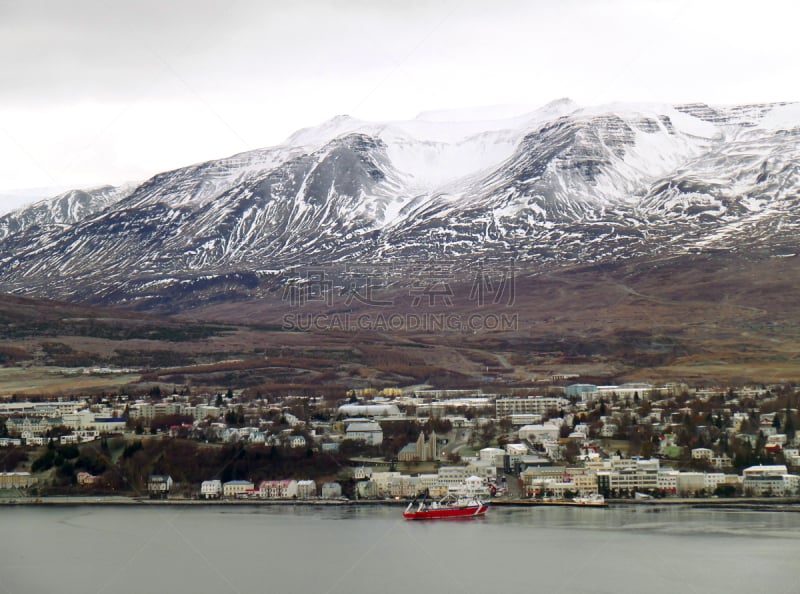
{"x":96,"y":91}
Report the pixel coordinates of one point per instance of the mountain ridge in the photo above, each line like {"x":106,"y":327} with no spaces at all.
{"x":562,"y":185}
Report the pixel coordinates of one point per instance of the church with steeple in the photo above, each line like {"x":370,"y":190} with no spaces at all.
{"x":424,"y":450}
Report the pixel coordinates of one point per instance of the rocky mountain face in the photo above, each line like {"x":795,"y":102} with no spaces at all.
{"x":63,"y":210}
{"x":557,"y":186}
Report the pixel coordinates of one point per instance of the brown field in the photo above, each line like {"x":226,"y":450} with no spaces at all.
{"x":707,"y":319}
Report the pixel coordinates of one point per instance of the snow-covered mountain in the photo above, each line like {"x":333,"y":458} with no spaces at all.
{"x":63,"y":210}
{"x":557,"y":185}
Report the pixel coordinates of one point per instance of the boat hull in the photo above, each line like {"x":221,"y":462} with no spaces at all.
{"x":590,"y":501}
{"x":447,"y":513}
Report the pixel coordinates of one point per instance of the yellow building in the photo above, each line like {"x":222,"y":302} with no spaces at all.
{"x":16,"y":480}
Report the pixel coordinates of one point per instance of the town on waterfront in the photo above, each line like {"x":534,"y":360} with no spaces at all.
{"x":557,"y":441}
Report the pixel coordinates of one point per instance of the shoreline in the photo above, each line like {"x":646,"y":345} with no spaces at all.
{"x":120,"y":500}
{"x":786,"y":504}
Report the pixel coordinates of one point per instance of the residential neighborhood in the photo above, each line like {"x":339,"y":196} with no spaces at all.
{"x":550,"y":442}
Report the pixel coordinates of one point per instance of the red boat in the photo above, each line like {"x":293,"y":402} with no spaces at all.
{"x":444,"y":509}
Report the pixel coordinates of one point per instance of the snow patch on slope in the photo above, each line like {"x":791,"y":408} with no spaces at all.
{"x":782,"y":117}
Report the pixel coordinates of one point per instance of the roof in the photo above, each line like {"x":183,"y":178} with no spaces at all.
{"x":277,"y":483}
{"x":369,"y":409}
{"x":363,"y":427}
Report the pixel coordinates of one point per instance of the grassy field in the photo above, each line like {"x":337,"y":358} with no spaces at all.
{"x":49,"y":380}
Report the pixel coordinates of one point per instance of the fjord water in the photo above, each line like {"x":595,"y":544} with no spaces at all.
{"x":295,"y":549}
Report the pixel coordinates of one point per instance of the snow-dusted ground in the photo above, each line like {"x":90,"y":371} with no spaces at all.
{"x":554,"y":184}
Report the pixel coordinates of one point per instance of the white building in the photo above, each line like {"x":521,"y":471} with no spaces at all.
{"x":89,"y":421}
{"x":485,"y":470}
{"x":494,"y":456}
{"x":623,"y":392}
{"x":87,"y":434}
{"x":369,"y":432}
{"x":609,"y":429}
{"x":211,"y":489}
{"x":452,"y":475}
{"x":369,"y":410}
{"x":280,"y":489}
{"x":552,"y":448}
{"x":237,"y":488}
{"x":297,"y":441}
{"x":515,"y":452}
{"x":362,"y":472}
{"x":141,"y":410}
{"x":430,"y":483}
{"x":539,"y":433}
{"x":331,"y":491}
{"x":526,"y":419}
{"x":40,"y":409}
{"x":204,"y":411}
{"x":668,"y":480}
{"x":383,"y":481}
{"x":404,"y":486}
{"x":366,"y":490}
{"x":629,"y":474}
{"x":792,"y":456}
{"x":539,"y":405}
{"x":690,"y":483}
{"x":78,"y":420}
{"x":584,"y":480}
{"x":721,"y":461}
{"x":791,"y":484}
{"x":702,"y":454}
{"x":31,"y":425}
{"x":473,"y":486}
{"x":768,"y":480}
{"x":159,"y":485}
{"x":306,"y":489}
{"x":714,"y":480}
{"x":777,"y":439}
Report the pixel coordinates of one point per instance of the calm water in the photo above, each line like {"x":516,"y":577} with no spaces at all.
{"x":308,"y":550}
